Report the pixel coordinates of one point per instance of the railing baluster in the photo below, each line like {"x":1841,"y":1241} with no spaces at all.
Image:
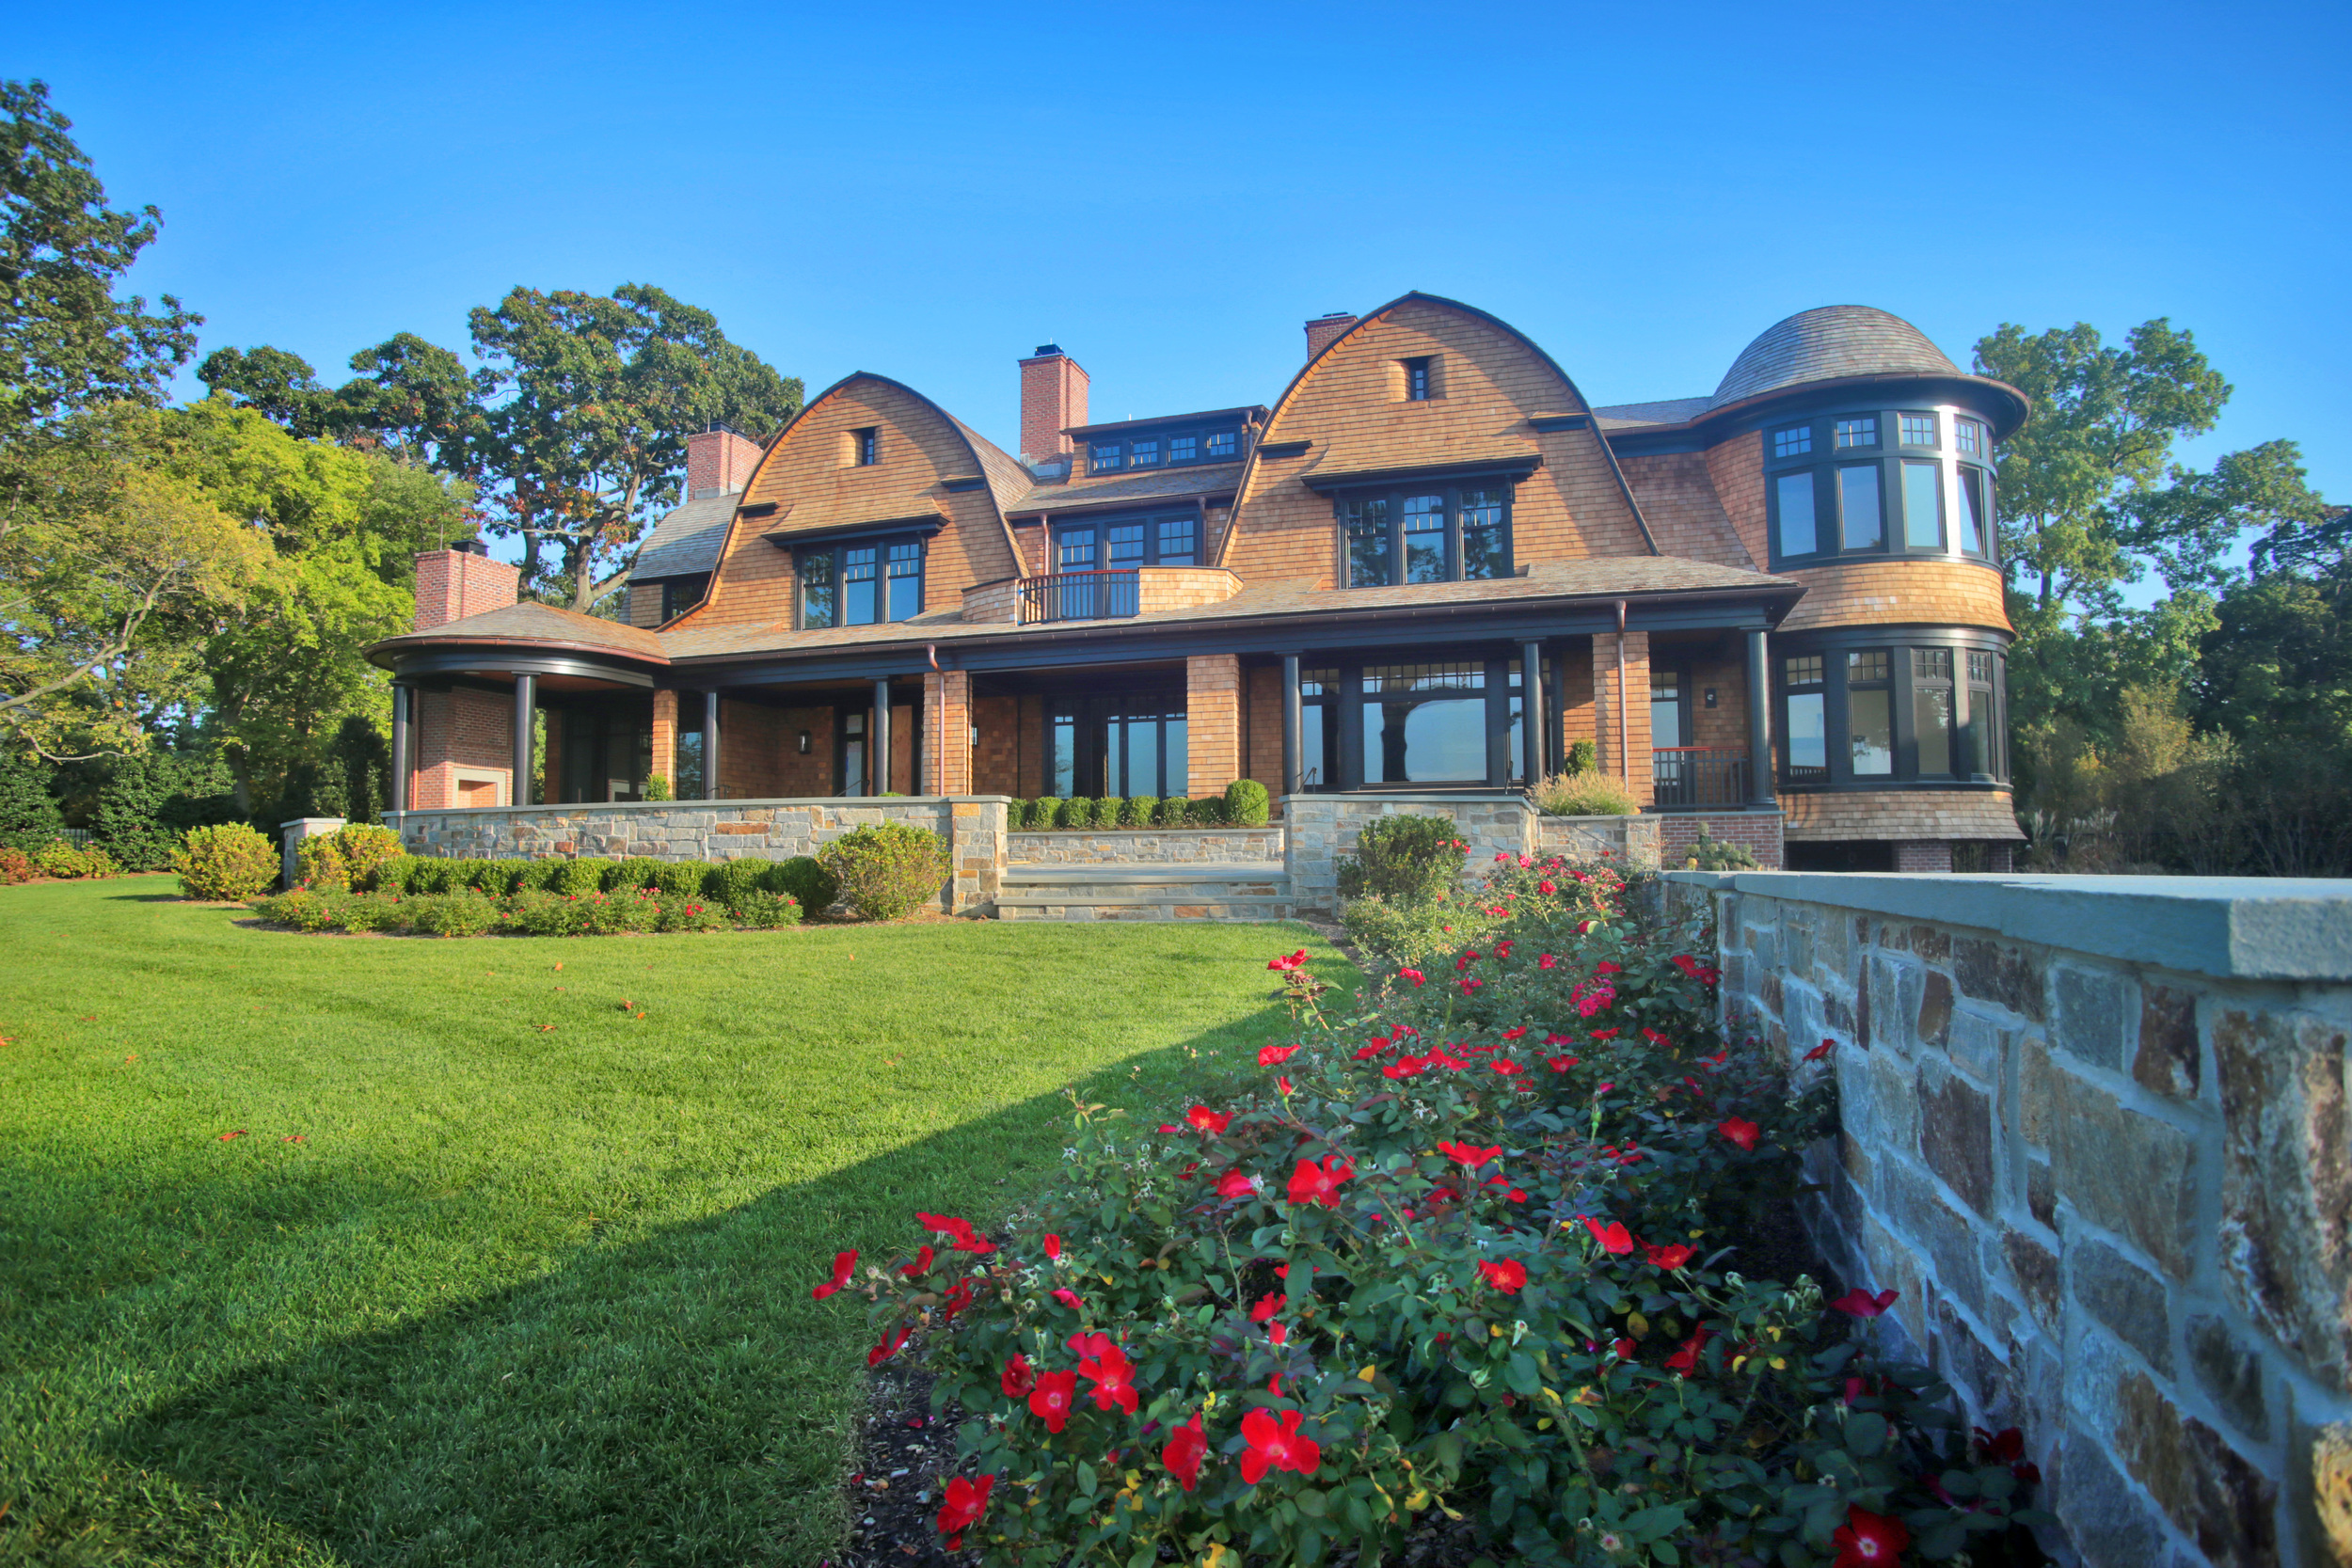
{"x":1079,"y":596}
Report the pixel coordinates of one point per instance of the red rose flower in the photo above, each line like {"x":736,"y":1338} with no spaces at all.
{"x":1560,"y":1064}
{"x":955,"y":1301}
{"x":922,"y":1261}
{"x":1314,"y":1183}
{"x":1051,"y":1400}
{"x":1502,"y":949}
{"x":1671,"y":1256}
{"x":1468,"y":1154}
{"x":1413,"y":975}
{"x":889,"y":1346}
{"x":1469,"y":984}
{"x":1654,"y":1036}
{"x":1545,"y":887}
{"x":1187,"y":1446}
{"x":1405,"y":1067}
{"x":1274,"y":1055}
{"x":842,"y":1263}
{"x":1687,"y":1358}
{"x":1518,"y":1033}
{"x":1371,"y":1050}
{"x":1266,"y":1308}
{"x":1625,"y":1348}
{"x":1053,"y":1246}
{"x":1069,"y":1298}
{"x":1547,"y":961}
{"x":1507,"y":1275}
{"x":1858,"y":1303}
{"x":1614,"y":1237}
{"x":1608,"y":1033}
{"x":1868,"y":1540}
{"x":1207,"y":1120}
{"x":1283,"y":1086}
{"x":1506,"y":1069}
{"x":966,"y":1501}
{"x":1821,"y":1051}
{"x":1017,"y":1379}
{"x":966,"y":1240}
{"x":1284,"y":966}
{"x":1235,"y":1183}
{"x":1274,"y":1444}
{"x":1605,"y":967}
{"x":1114,"y":1379}
{"x":1470,"y":957}
{"x":1741,"y":1131}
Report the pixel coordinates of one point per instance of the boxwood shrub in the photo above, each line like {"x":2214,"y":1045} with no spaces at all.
{"x":1247,"y":803}
{"x":807,"y":882}
{"x":225,"y":862}
{"x":887,"y":870}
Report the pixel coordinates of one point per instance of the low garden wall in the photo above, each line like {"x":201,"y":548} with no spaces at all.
{"x":2094,"y":1130}
{"x":974,"y":825}
{"x":1321,"y":830}
{"x":1156,"y":846}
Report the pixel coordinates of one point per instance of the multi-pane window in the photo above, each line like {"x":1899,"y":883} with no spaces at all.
{"x":859,"y":582}
{"x":1318,"y":716}
{"x":1917,"y":430}
{"x":1179,"y":540}
{"x":865,"y":446}
{"x":1163,"y":449}
{"x":1859,"y":508}
{"x":1143,"y":455}
{"x":1931,"y":710}
{"x":1184,"y":449}
{"x":1222,"y":443}
{"x":1104,"y":456}
{"x":1862,"y":430}
{"x":1870,"y":715}
{"x":1426,"y":724}
{"x":1904,"y":502}
{"x":1124,"y":544}
{"x":1417,"y":380}
{"x":1806,"y":746}
{"x":1443,"y":534}
{"x":1983,"y":732}
{"x":1972,"y":529}
{"x":1923,"y":505}
{"x":1793,"y":442}
{"x":1968,"y":437}
{"x":1793,"y":495}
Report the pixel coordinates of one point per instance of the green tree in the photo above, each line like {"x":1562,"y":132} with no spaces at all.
{"x":29,"y":816}
{"x":66,"y":340}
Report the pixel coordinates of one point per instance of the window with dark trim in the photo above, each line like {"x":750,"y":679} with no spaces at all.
{"x":865,"y":447}
{"x":1417,"y":380}
{"x":1833,"y":490}
{"x":1859,"y":430}
{"x":1433,"y":533}
{"x":1122,"y":543}
{"x":1223,"y":443}
{"x":680,"y":594}
{"x":1144,"y":453}
{"x":1793,"y":442}
{"x":1922,"y":713}
{"x":1103,"y":457}
{"x":1170,"y":449}
{"x":859,"y":582}
{"x":1917,"y":429}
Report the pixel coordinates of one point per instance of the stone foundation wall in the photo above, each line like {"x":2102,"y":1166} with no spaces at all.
{"x":1634,"y":840}
{"x":974,"y":825}
{"x":1164,"y":846}
{"x":2094,"y":1130}
{"x":1322,"y":827}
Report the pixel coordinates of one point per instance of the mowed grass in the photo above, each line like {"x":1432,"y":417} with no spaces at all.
{"x":521,"y":1294}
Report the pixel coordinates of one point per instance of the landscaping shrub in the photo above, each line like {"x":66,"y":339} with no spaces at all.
{"x":370,"y":912}
{"x":1174,"y":810}
{"x":225,"y":863}
{"x":636,"y":871}
{"x":1403,"y":859}
{"x":304,"y":908}
{"x":1247,"y":803}
{"x":453,"y":915}
{"x":349,"y":857}
{"x":608,"y":914}
{"x":691,"y":912}
{"x":763,"y":909}
{"x":29,"y":815}
{"x":682,"y":878}
{"x":1709,"y":853}
{"x":541,"y":913}
{"x":15,"y":865}
{"x":583,"y":875}
{"x":887,"y":870}
{"x":732,"y":882}
{"x":61,"y":860}
{"x":1038,"y":815}
{"x":1584,"y":794}
{"x":1105,"y":813}
{"x":1135,"y":810}
{"x":1207,"y":812}
{"x":536,"y":876}
{"x":1583,"y":757}
{"x":657,"y":787}
{"x":808,"y":884}
{"x":1467,"y":1252}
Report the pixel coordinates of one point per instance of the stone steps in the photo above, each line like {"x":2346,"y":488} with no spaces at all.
{"x":1246,"y":890}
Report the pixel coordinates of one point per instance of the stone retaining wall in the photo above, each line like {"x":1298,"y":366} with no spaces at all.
{"x":1139,"y":845}
{"x":2094,"y":1130}
{"x":974,"y":825}
{"x":1632,"y":839}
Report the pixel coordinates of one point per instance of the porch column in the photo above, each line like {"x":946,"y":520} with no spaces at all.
{"x":1292,"y":726}
{"x":947,"y":727}
{"x":1621,"y":707}
{"x":664,"y":738}
{"x":1759,"y":720}
{"x":525,"y":713}
{"x":400,"y":747}
{"x":1535,"y":718}
{"x":1498,"y":707}
{"x":710,"y":746}
{"x":1212,"y":723}
{"x":878,"y":758}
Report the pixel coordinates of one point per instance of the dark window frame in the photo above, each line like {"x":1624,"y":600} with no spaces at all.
{"x":680,"y":594}
{"x":1901,"y":647}
{"x":865,"y":447}
{"x":1420,"y":386}
{"x":1103,"y":457}
{"x":834,"y":552}
{"x":1395,"y":497}
{"x":1957,"y":472}
{"x":1152,"y":526}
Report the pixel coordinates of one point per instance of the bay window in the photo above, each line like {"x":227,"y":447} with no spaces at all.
{"x":1835,"y":489}
{"x":1860,"y":713}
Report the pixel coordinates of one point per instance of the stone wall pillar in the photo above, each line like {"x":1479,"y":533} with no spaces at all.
{"x":947,"y":720}
{"x":290,"y":862}
{"x":1629,"y":761}
{"x":664,"y":737}
{"x":978,"y":830}
{"x":1212,"y":722}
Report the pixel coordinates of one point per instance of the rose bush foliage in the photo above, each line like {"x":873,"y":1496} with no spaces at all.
{"x":1470,"y":1249}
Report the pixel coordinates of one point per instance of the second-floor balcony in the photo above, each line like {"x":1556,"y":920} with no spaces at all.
{"x":1079,"y":596}
{"x":1120,"y":592}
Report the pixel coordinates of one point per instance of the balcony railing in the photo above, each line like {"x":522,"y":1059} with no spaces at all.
{"x":1076,"y":596}
{"x":1698,"y":776}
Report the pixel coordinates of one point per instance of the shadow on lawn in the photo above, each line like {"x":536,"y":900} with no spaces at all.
{"x":674,"y":1400}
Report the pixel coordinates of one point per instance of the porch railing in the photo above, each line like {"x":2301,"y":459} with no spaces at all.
{"x":1077,"y":595}
{"x":1698,"y":776}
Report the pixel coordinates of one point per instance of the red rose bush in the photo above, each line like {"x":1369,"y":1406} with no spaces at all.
{"x":1473,"y":1249}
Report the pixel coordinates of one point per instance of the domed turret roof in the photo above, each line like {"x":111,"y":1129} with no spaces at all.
{"x":1827,"y":344}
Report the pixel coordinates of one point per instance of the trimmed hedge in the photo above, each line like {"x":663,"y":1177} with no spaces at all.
{"x":226,"y":863}
{"x":888,"y":870}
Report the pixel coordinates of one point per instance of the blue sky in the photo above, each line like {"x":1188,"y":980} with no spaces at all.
{"x":1170,"y":191}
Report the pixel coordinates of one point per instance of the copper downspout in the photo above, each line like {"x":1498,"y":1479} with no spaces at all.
{"x":940,"y":766}
{"x":1625,"y":762}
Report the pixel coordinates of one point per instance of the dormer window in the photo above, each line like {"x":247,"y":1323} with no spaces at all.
{"x":862,"y":448}
{"x":1418,"y":386}
{"x":1143,"y":455}
{"x":858,"y":582}
{"x":1184,"y":449}
{"x":1221,"y":444}
{"x":1434,"y":533}
{"x":1103,"y":457}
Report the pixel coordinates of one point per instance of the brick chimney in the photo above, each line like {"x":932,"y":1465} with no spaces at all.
{"x":719,"y":463}
{"x":1052,"y":398}
{"x":1323,"y":329}
{"x":460,"y":582}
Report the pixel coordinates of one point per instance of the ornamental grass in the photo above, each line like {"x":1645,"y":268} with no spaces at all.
{"x":1479,"y":1246}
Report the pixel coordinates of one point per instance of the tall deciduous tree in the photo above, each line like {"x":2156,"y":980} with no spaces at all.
{"x":67,"y":339}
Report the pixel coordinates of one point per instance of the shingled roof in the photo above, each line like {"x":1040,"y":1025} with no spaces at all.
{"x":532,"y":622}
{"x":1829,"y":345}
{"x":686,"y":542}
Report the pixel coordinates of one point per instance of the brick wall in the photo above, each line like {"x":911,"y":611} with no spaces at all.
{"x":946,"y":732}
{"x":996,"y":758}
{"x":1261,"y":725}
{"x":753,"y":741}
{"x":1757,"y":831}
{"x":1053,"y":398}
{"x":453,"y":584}
{"x":719,"y":462}
{"x":1212,"y":722}
{"x":1323,"y":331}
{"x":1924,"y":855}
{"x":664,"y":738}
{"x":1492,"y":380}
{"x":463,"y":739}
{"x":2093,"y":1133}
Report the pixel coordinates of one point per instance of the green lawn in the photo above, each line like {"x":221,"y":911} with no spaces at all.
{"x":520,"y":1295}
